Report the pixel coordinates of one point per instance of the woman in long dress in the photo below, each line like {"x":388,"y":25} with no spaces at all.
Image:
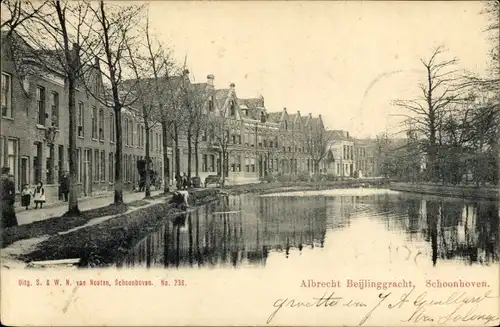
{"x":39,"y":197}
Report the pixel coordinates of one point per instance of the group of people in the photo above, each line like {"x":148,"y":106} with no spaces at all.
{"x":37,"y":193}
{"x":155,"y":182}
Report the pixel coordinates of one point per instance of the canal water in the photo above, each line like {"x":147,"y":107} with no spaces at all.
{"x":348,"y":226}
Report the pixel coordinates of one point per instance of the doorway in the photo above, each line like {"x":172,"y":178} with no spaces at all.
{"x":24,"y":173}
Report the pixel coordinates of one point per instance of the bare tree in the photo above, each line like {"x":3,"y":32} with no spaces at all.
{"x":220,"y":134}
{"x":16,"y":13}
{"x":144,"y":88}
{"x":163,"y":92}
{"x":200,"y":104}
{"x":317,"y":140}
{"x":438,"y":93}
{"x":61,"y":38}
{"x":174,"y":115}
{"x":116,"y":26}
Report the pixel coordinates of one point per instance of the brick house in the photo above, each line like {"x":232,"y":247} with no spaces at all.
{"x":34,"y":103}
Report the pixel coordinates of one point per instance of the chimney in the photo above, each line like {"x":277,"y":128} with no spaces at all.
{"x":232,"y":85}
{"x":185,"y":72}
{"x":284,"y":109}
{"x":298,"y":112}
{"x":310,"y":115}
{"x":210,"y":79}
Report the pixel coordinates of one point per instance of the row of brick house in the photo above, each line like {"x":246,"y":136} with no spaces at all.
{"x":33,"y":105}
{"x":259,"y":142}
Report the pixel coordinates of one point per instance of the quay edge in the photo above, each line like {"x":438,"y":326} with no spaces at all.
{"x":456,"y":191}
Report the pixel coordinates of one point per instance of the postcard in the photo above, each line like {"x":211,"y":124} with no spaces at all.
{"x":251,"y":163}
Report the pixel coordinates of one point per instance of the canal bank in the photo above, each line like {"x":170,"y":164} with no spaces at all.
{"x":273,"y":187}
{"x":100,"y":241}
{"x":457,"y":191}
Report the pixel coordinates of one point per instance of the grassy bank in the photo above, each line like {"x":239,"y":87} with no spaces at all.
{"x":105,"y":243}
{"x":55,"y":225}
{"x":266,"y":188}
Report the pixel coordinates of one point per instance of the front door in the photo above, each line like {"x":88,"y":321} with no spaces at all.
{"x":24,"y":173}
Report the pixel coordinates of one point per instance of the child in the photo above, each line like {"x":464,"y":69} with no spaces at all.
{"x":39,"y":195}
{"x":26,"y":196}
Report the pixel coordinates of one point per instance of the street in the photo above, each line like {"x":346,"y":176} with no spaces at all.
{"x":32,"y":215}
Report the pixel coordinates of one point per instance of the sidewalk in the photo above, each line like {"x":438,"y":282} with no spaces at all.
{"x":32,"y":215}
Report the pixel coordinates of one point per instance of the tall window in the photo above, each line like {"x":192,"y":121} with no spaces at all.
{"x":127,"y":140}
{"x":6,"y":95}
{"x":94,"y":122}
{"x":79,"y":164}
{"x":211,"y":104}
{"x":101,"y":124}
{"x":40,"y":105}
{"x":139,"y":136}
{"x":103,"y":166}
{"x":233,"y":108}
{"x":54,"y":108}
{"x":111,"y":127}
{"x":81,"y":111}
{"x":131,"y":133}
{"x":12,"y":158}
{"x":204,"y":163}
{"x":96,"y":165}
{"x":111,"y":167}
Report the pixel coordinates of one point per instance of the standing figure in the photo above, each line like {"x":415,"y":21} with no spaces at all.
{"x":9,"y":218}
{"x":26,"y":196}
{"x":184,"y":181}
{"x":39,"y":197}
{"x":64,"y":186}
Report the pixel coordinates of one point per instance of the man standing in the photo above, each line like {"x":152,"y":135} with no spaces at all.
{"x":64,"y":186}
{"x":8,"y":199}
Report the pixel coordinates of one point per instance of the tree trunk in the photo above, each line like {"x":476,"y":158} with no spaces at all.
{"x":118,"y":197}
{"x":148,"y":179}
{"x":73,"y":163}
{"x":166,"y":163}
{"x":196,"y":159}
{"x":222,"y":168}
{"x":177,"y":153}
{"x":189,"y":139}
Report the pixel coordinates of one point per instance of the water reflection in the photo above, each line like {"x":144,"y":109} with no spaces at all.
{"x":241,"y":231}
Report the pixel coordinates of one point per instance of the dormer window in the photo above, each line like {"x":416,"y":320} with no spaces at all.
{"x":233,"y":108}
{"x":211,"y":104}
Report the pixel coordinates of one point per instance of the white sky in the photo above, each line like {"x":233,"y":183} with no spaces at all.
{"x":321,"y":57}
